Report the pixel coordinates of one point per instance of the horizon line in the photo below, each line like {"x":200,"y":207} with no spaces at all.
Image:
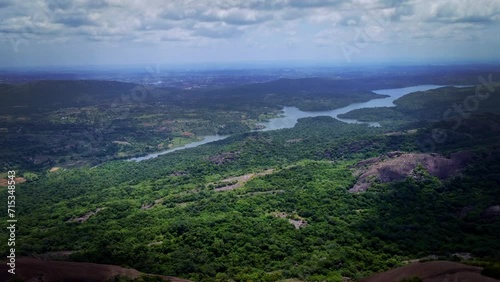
{"x":264,"y":63}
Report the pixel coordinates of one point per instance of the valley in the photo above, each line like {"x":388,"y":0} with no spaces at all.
{"x":130,"y":182}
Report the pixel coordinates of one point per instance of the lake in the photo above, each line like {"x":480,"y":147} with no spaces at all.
{"x":292,"y":114}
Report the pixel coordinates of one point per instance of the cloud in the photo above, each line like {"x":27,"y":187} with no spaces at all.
{"x":303,"y":24}
{"x":234,"y":16}
{"x":75,"y":20}
{"x":221,"y":18}
{"x":465,"y":11}
{"x":314,"y":3}
{"x":403,"y":10}
{"x":176,"y":34}
{"x":6,"y":3}
{"x":216,"y":30}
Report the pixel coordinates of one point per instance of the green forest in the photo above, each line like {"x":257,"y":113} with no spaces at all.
{"x":258,"y":205}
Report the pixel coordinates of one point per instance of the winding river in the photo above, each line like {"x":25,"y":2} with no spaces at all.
{"x":292,"y":114}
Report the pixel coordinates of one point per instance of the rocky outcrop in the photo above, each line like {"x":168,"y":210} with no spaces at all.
{"x":224,"y":157}
{"x":86,"y":216}
{"x":397,"y":165}
{"x":493,"y":211}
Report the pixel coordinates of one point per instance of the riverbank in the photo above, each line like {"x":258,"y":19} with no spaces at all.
{"x":291,"y":115}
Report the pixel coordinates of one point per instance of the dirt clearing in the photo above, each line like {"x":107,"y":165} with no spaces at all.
{"x":4,"y":182}
{"x":241,"y":180}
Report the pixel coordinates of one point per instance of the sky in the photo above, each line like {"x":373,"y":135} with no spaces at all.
{"x":176,"y":32}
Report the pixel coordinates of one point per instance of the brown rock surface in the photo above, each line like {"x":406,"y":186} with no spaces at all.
{"x":398,"y":165}
{"x":32,"y":269}
{"x":432,"y":271}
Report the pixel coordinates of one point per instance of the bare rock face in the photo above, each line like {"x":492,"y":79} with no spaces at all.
{"x":297,"y":221}
{"x":493,"y":211}
{"x":463,"y":212}
{"x":432,"y":271}
{"x":397,"y":165}
{"x":86,"y":216}
{"x":32,"y":269}
{"x":224,"y":157}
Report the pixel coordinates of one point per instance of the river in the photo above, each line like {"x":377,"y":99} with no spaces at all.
{"x":292,"y":114}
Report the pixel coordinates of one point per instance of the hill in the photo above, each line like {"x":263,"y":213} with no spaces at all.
{"x":37,"y":95}
{"x":433,"y":271}
{"x":294,"y":218}
{"x":256,"y":206}
{"x":84,"y":122}
{"x":32,"y":269}
{"x":447,"y":104}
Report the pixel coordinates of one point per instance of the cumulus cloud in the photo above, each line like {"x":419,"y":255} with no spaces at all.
{"x":234,"y":16}
{"x":278,"y":23}
{"x":74,"y":20}
{"x":314,"y":3}
{"x":216,"y":30}
{"x":135,"y":16}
